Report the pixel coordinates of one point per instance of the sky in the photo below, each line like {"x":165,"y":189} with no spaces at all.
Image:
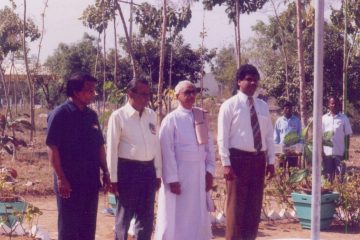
{"x":62,"y":24}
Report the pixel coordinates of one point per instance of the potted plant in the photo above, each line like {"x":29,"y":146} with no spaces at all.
{"x":11,"y":205}
{"x":302,"y":198}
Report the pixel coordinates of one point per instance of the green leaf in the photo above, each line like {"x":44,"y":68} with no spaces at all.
{"x":291,"y":139}
{"x":307,"y":153}
{"x":299,"y":176}
{"x":327,"y":138}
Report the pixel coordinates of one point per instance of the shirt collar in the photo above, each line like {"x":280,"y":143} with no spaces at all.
{"x":74,"y":108}
{"x":130,"y":110}
{"x":244,"y":98}
{"x":330,"y":115}
{"x":181,"y":108}
{"x":291,"y":117}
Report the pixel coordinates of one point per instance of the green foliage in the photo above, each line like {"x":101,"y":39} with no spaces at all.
{"x":11,"y":30}
{"x":299,"y":176}
{"x":187,"y":63}
{"x":115,"y":95}
{"x":224,"y":68}
{"x":349,"y":202}
{"x":150,"y":19}
{"x":18,"y":124}
{"x":291,"y":138}
{"x":280,"y":188}
{"x":96,"y":16}
{"x":245,"y":6}
{"x":265,"y":50}
{"x":66,"y":59}
{"x":353,"y":16}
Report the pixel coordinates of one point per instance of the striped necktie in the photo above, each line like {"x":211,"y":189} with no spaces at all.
{"x":255,"y":126}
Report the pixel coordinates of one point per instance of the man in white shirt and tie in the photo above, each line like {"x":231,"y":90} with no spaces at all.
{"x":134,"y":162}
{"x":245,"y":139}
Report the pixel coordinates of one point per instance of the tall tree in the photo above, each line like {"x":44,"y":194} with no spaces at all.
{"x":225,"y":68}
{"x":301,"y":63}
{"x":28,"y":77}
{"x":11,"y":40}
{"x":233,"y":9}
{"x":161,"y":65}
{"x":346,"y":19}
{"x":66,"y":59}
{"x":161,"y":21}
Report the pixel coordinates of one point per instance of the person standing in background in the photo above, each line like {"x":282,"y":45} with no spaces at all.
{"x":284,"y":125}
{"x":338,"y":123}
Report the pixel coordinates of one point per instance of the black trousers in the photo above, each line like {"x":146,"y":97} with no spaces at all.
{"x":244,"y":195}
{"x":77,"y":214}
{"x":136,"y":187}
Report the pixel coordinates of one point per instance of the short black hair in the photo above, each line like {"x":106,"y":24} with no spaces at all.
{"x":288,"y":104}
{"x":76,"y":82}
{"x":246,"y":69}
{"x":132,"y":85}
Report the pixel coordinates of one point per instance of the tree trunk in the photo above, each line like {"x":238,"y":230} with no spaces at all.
{"x":104,"y":58}
{"x":237,"y":34}
{"x":116,"y":53}
{"x":162,"y":60}
{"x":300,"y":47}
{"x":128,"y":40}
{"x":344,"y":80}
{"x":283,"y":51}
{"x":30,"y":83}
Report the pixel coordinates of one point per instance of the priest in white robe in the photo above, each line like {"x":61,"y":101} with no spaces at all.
{"x":188,"y":169}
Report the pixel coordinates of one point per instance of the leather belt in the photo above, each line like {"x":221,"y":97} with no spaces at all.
{"x":246,"y":153}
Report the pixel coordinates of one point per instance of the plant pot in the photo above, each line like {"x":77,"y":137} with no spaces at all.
{"x":12,"y":210}
{"x":302,"y":203}
{"x":112,"y":203}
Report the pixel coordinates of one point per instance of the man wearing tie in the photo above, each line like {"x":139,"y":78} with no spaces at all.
{"x":245,"y":139}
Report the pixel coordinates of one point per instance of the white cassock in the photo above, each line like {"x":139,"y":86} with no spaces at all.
{"x":184,"y":216}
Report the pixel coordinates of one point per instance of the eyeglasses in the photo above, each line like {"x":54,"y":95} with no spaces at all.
{"x":144,"y":95}
{"x":190,"y":92}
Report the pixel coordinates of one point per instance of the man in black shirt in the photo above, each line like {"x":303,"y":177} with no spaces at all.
{"x":76,"y":151}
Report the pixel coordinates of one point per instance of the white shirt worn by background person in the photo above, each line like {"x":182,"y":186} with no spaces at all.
{"x":234,"y":127}
{"x":183,"y":216}
{"x":340,"y":126}
{"x":132,"y":137}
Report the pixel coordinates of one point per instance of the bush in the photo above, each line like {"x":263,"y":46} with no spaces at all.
{"x":348,"y":210}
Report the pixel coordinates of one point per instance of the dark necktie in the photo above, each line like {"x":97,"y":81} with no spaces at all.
{"x":255,"y":125}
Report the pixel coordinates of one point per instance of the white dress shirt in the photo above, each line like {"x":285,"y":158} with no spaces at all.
{"x":340,"y":126}
{"x":132,"y":137}
{"x":234,"y":127}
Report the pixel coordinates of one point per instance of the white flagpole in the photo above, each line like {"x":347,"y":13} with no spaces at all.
{"x":317,"y":115}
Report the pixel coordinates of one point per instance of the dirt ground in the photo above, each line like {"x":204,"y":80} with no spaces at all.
{"x":282,"y":229}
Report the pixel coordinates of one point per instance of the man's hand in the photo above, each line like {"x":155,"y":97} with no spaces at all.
{"x":158,"y":183}
{"x":270,"y":171}
{"x":228,"y":173}
{"x":64,"y":187}
{"x":114,"y":188}
{"x":106,"y":182}
{"x":208,"y":181}
{"x":175,"y":188}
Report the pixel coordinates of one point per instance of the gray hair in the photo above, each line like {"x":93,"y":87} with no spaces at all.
{"x":181,"y":85}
